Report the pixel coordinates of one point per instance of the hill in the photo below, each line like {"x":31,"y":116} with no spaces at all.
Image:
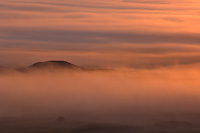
{"x":51,"y":65}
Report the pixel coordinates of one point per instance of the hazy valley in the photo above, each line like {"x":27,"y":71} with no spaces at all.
{"x":99,"y":100}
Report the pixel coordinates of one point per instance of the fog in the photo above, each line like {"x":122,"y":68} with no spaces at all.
{"x":137,"y":62}
{"x":121,"y":95}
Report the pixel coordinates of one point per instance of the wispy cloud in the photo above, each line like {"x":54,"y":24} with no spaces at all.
{"x":88,"y":25}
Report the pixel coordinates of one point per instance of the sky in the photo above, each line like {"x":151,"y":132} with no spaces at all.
{"x":153,"y":46}
{"x":130,"y":33}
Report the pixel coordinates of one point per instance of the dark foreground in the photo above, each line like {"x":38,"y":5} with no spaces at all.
{"x":55,"y":126}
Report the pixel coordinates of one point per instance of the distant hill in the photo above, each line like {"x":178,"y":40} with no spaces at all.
{"x":51,"y":66}
{"x":56,"y":65}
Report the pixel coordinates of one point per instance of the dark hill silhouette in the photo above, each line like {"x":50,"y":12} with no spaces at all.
{"x":52,"y":65}
{"x":56,"y":65}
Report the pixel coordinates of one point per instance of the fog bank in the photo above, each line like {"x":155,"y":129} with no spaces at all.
{"x":117,"y":95}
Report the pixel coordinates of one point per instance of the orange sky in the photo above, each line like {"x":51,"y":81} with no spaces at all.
{"x":160,"y":39}
{"x":89,"y":26}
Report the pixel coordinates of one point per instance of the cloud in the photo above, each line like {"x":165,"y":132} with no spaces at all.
{"x":153,"y":47}
{"x":96,"y":37}
{"x":189,"y":55}
{"x":23,"y":7}
{"x":147,"y":1}
{"x":135,"y":29}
